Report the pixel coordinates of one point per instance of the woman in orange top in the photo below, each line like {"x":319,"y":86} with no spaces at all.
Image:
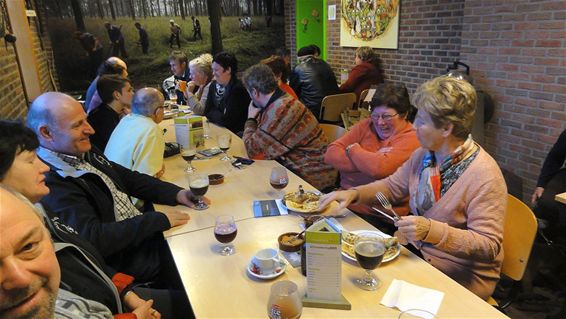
{"x":375,"y":147}
{"x":279,"y":68}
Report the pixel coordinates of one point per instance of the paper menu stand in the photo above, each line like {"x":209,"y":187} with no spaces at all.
{"x":189,"y":130}
{"x":324,"y":267}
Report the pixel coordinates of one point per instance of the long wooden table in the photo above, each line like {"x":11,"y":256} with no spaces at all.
{"x":220,"y":287}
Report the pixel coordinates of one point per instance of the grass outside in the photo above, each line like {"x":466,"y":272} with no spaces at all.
{"x":153,"y":68}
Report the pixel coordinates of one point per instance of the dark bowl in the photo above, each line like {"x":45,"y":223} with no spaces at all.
{"x":215,"y":179}
{"x":290,"y":246}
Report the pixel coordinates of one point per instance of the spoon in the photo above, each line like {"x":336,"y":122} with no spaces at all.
{"x":290,"y":240}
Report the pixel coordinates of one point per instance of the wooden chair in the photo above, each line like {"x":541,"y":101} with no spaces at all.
{"x":332,"y":132}
{"x":361,"y":103}
{"x":333,"y":105}
{"x":518,"y":237}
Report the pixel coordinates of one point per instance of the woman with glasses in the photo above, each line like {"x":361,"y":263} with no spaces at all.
{"x":375,"y":147}
{"x":457,"y":193}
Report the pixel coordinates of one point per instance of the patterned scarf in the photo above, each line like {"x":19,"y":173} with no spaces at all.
{"x":435,"y":180}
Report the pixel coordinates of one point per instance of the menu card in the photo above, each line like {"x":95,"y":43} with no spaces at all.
{"x":324,"y":262}
{"x":189,"y":131}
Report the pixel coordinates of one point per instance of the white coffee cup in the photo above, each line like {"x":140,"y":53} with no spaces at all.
{"x":266,"y":260}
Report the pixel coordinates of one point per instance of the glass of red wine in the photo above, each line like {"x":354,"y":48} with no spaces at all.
{"x":188,"y":155}
{"x":225,"y":231}
{"x":369,"y":252}
{"x":224,"y":141}
{"x":198,"y":183}
{"x":279,"y":178}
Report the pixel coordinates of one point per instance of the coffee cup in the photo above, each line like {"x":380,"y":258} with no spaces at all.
{"x":266,"y":260}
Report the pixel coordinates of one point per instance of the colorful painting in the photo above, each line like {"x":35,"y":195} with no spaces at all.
{"x":373,"y":23}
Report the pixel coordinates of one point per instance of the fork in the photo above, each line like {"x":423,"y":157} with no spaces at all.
{"x":386,"y":204}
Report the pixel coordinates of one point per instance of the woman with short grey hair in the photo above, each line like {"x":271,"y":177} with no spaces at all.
{"x":457,"y":194}
{"x":201,"y":76}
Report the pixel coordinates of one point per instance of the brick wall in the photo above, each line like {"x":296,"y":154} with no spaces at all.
{"x":13,"y":103}
{"x":12,"y":97}
{"x":429,"y":40}
{"x":516,"y":51}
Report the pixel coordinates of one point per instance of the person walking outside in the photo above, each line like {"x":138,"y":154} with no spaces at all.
{"x":196,"y":28}
{"x":117,"y":43}
{"x":175,"y":33}
{"x":144,"y":38}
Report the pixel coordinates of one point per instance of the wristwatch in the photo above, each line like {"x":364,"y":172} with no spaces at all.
{"x":348,"y":148}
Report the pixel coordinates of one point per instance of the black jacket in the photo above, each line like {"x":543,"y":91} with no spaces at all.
{"x":554,"y":161}
{"x":232,"y":111}
{"x":103,"y":120}
{"x":312,"y":80}
{"x":84,"y":202}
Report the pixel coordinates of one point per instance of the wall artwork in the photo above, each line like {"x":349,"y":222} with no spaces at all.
{"x":373,"y":23}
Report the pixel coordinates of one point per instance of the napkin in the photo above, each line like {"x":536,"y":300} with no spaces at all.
{"x":405,"y":296}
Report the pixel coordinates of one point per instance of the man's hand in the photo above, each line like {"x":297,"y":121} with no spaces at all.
{"x":252,"y":111}
{"x":140,"y":307}
{"x":344,"y":199}
{"x":177,"y":218}
{"x":413,"y":228}
{"x":537,"y":194}
{"x":161,"y":172}
{"x":146,"y":311}
{"x":185,"y":197}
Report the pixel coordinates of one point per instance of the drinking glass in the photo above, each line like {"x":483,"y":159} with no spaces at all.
{"x":279,"y":178}
{"x":225,"y":231}
{"x":224,"y":141}
{"x":198,"y":183}
{"x":206,"y":129}
{"x":284,"y":301}
{"x":188,"y":155}
{"x":369,"y":252}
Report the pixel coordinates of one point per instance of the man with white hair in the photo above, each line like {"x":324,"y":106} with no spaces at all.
{"x":92,"y":194}
{"x":137,"y":142}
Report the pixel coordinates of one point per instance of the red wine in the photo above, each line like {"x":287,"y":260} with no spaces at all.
{"x":188,"y":157}
{"x":199,"y":191}
{"x":278,"y":185}
{"x":225,"y":234}
{"x":369,"y":254}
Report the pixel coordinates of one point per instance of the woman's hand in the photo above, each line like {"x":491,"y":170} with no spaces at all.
{"x":344,"y":199}
{"x":413,"y":228}
{"x":537,"y":194}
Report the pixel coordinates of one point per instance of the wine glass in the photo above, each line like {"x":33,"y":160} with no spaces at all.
{"x":279,"y":178}
{"x":225,"y":231}
{"x":198,"y":183}
{"x":188,"y":155}
{"x":224,"y":141}
{"x":369,"y":252}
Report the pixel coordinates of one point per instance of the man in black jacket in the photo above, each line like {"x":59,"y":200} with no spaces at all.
{"x":312,"y":79}
{"x":92,"y":194}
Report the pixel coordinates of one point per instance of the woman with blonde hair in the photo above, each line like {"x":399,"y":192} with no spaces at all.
{"x":366,"y":72}
{"x":201,"y":76}
{"x":456,"y":191}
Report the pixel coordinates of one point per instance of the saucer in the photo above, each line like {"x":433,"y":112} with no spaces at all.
{"x":279,"y":270}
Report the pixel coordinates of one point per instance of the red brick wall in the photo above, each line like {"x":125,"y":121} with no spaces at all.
{"x":516,"y":51}
{"x":12,"y":98}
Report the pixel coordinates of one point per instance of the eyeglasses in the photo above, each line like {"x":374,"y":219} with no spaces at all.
{"x":384,"y":116}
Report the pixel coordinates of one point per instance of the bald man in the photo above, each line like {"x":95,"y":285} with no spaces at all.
{"x":137,"y":142}
{"x":92,"y":194}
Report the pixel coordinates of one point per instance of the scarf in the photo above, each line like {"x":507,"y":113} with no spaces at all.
{"x":435,"y":179}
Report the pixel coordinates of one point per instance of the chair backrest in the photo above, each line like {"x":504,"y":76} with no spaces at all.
{"x":332,"y":132}
{"x":333,"y":105}
{"x":363,"y":95}
{"x":518,"y":237}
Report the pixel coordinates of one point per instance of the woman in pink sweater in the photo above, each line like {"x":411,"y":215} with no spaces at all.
{"x":457,"y":192}
{"x":374,"y":148}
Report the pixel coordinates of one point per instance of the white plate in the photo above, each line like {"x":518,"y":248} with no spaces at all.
{"x":378,"y":234}
{"x":303,"y":211}
{"x":282,"y":265}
